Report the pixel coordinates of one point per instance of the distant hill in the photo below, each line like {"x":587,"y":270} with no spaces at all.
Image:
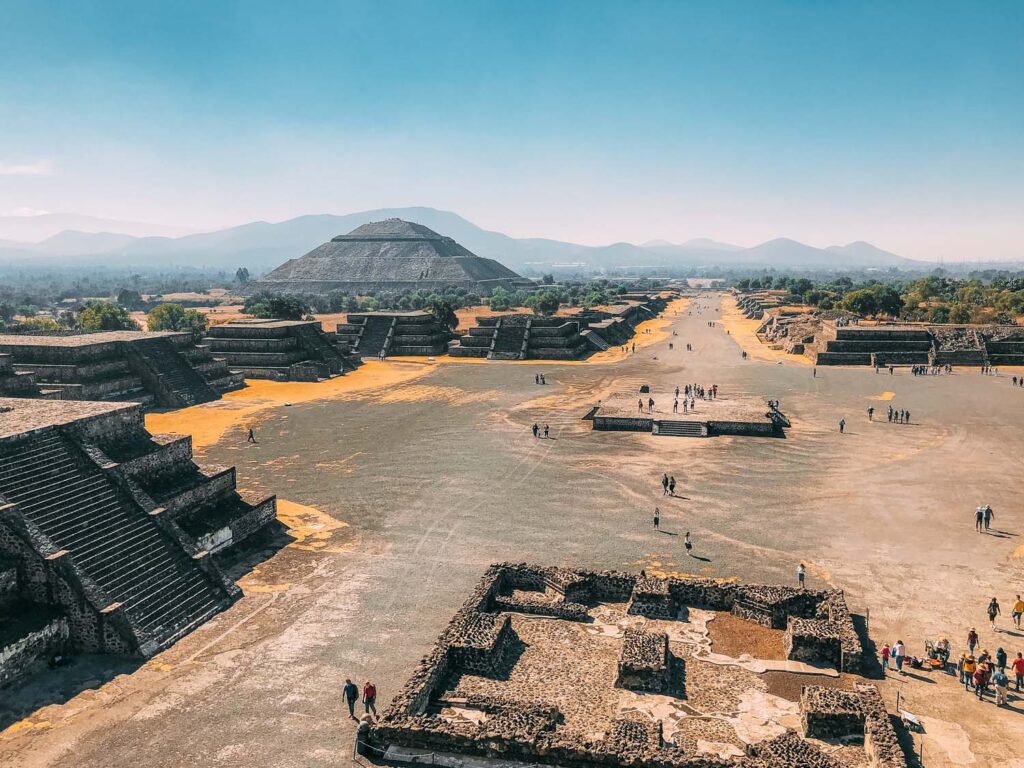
{"x":261,"y":246}
{"x":33,"y":229}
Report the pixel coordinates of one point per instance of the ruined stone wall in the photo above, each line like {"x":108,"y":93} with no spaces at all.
{"x":32,"y":650}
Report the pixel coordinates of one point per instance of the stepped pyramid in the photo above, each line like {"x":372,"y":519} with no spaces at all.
{"x":390,"y":256}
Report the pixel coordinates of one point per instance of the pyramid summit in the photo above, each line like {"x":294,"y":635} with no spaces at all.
{"x":393,"y":255}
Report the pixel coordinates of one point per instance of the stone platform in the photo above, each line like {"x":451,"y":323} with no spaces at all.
{"x":107,"y":533}
{"x":708,"y":418}
{"x":581,"y":668}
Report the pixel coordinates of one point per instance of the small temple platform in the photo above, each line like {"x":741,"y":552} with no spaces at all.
{"x":708,"y":418}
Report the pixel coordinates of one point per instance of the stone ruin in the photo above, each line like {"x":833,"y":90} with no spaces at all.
{"x":468,"y":697}
{"x":166,"y":369}
{"x":280,"y":350}
{"x":396,"y":334}
{"x":108,"y":533}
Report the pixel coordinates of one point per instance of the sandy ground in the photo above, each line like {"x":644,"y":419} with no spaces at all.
{"x":744,"y":332}
{"x":401,"y":494}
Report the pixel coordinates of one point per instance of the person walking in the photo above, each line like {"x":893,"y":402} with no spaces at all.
{"x":972,"y":640}
{"x":672,"y":485}
{"x":970,"y":667}
{"x":1000,"y":659}
{"x":1018,"y":669}
{"x":351,"y":693}
{"x":1016,"y":611}
{"x":370,"y":698}
{"x":871,"y":413}
{"x":886,"y":653}
{"x":993,"y":611}
{"x":664,"y":485}
{"x":989,"y":514}
{"x":688,"y":543}
{"x":1001,"y":682}
{"x":979,"y":518}
{"x":981,"y":678}
{"x":547,"y":431}
{"x":842,"y":426}
{"x":899,"y":653}
{"x":801,"y":574}
{"x":536,"y":429}
{"x":657,"y":518}
{"x":251,"y":437}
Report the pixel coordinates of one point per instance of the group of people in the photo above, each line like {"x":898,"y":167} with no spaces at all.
{"x":369,"y":694}
{"x":538,"y":378}
{"x":932,"y":370}
{"x":988,"y":370}
{"x":537,"y":430}
{"x":687,"y":541}
{"x":978,"y":672}
{"x":901,"y":416}
{"x":695,"y":390}
{"x":1018,"y":381}
{"x":983,"y":516}
{"x":668,"y":485}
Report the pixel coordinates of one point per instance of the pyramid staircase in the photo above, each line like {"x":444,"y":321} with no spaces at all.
{"x":509,"y":341}
{"x":177,"y":383}
{"x":111,"y":543}
{"x":375,"y":336}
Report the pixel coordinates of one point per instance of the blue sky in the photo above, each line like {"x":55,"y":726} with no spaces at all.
{"x":898,"y":123}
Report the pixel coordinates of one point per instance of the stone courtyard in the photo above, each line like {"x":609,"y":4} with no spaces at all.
{"x":402,"y":481}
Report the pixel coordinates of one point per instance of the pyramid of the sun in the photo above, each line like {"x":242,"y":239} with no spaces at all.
{"x":388,"y":256}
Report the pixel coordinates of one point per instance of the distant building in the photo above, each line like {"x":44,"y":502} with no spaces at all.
{"x":389,"y":256}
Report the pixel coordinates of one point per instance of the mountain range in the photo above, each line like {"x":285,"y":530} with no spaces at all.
{"x":67,"y":239}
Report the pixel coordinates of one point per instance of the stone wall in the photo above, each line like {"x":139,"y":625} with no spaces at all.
{"x":644,"y":662}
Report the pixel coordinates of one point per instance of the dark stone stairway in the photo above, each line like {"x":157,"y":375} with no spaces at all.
{"x":179,"y":383}
{"x":162,"y":590}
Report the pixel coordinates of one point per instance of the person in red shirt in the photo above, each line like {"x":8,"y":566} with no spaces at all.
{"x":1018,"y":670}
{"x":370,"y":698}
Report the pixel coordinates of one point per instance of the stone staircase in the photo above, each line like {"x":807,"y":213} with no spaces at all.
{"x":679,"y":428}
{"x":508,"y":342}
{"x":175,"y":380}
{"x":313,"y":340}
{"x":374,"y":336}
{"x":161,"y":589}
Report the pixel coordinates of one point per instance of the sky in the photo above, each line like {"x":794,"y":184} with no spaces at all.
{"x":596,"y":122}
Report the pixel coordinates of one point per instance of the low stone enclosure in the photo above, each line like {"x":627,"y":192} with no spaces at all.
{"x":581,"y":668}
{"x":166,"y":369}
{"x":107,"y":533}
{"x":535,"y":337}
{"x":281,"y":350}
{"x":708,"y":418}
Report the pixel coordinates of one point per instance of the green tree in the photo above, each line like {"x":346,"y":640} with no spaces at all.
{"x":242,"y":275}
{"x":105,"y":316}
{"x":862,"y":302}
{"x":128,"y":297}
{"x":500,"y":299}
{"x":174,"y":317}
{"x":959,"y":313}
{"x":443,"y":312}
{"x":276,"y":306}
{"x":546,"y":303}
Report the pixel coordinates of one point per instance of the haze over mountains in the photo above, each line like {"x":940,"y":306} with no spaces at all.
{"x":67,"y":239}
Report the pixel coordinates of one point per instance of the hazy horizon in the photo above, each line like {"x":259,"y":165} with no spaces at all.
{"x":591,"y":123}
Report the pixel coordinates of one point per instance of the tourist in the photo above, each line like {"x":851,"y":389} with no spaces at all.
{"x":970,"y":666}
{"x":899,"y":653}
{"x":908,"y":417}
{"x":890,"y":414}
{"x":640,"y":404}
{"x":370,"y":698}
{"x":546,"y":432}
{"x":801,"y":574}
{"x":814,"y":373}
{"x":1016,"y":611}
{"x":993,"y":611}
{"x":989,"y":514}
{"x":536,"y":378}
{"x":981,"y":678}
{"x":675,"y":405}
{"x":543,"y":379}
{"x":677,"y":392}
{"x":1018,"y":669}
{"x":1001,"y":682}
{"x":871,"y":413}
{"x":650,"y":404}
{"x":842,"y":426}
{"x":886,"y":653}
{"x":979,"y":518}
{"x":672,"y":486}
{"x":536,"y":429}
{"x":251,"y":437}
{"x":664,"y":485}
{"x":972,"y":640}
{"x":688,"y":544}
{"x":1000,"y":659}
{"x":657,"y":518}
{"x":351,"y":692}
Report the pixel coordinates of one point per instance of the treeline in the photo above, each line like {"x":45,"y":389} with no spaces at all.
{"x":935,"y":298}
{"x":101,"y":316}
